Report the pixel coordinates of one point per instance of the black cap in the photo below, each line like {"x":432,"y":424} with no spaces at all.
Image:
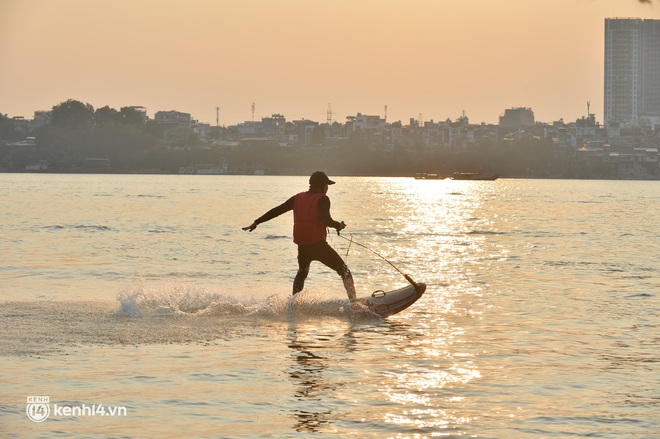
{"x":319,"y":178}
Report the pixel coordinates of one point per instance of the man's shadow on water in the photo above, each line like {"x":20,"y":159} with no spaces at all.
{"x":318,"y":352}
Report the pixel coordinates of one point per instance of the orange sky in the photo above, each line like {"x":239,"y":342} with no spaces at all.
{"x":430,"y":57}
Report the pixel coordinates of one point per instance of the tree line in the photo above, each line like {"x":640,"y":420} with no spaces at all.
{"x":77,"y":132}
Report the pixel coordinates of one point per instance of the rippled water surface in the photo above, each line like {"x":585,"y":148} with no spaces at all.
{"x":142,"y":293}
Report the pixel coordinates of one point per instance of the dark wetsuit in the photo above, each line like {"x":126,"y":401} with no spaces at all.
{"x":318,"y":251}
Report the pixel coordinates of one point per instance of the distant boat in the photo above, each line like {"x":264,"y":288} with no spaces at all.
{"x":428,"y":177}
{"x":473,"y":176}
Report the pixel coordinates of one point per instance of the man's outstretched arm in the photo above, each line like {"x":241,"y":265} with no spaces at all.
{"x":272,"y":213}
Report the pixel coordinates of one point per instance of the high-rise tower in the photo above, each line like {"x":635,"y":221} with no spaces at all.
{"x":632,"y":70}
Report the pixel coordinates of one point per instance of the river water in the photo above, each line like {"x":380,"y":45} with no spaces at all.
{"x":142,"y":295}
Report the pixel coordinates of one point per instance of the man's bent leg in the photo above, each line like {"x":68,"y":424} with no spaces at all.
{"x":347,"y":278}
{"x":330,"y":258}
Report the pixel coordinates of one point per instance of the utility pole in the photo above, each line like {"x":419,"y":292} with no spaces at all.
{"x":253,"y":111}
{"x":217,"y":123}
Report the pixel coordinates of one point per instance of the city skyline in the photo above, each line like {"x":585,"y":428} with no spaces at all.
{"x":435,"y":59}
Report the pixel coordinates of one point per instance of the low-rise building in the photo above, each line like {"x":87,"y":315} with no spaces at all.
{"x":516,"y":118}
{"x":173,"y":117}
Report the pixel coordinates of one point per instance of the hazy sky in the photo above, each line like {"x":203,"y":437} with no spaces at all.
{"x":430,"y":57}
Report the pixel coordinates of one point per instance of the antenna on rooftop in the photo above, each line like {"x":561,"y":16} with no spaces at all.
{"x":217,"y":117}
{"x":329,"y":116}
{"x":253,"y":106}
{"x":385,"y":112}
{"x":588,"y":108}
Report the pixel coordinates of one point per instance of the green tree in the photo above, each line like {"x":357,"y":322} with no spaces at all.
{"x":106,"y":115}
{"x":130,"y":116}
{"x":72,"y":114}
{"x":8,"y":129}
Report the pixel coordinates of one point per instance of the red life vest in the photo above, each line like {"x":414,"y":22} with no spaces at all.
{"x":307,"y":229}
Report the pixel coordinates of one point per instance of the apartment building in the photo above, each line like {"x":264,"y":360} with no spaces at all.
{"x":632,"y":71}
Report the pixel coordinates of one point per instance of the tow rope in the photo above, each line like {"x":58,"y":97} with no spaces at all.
{"x":407,"y":277}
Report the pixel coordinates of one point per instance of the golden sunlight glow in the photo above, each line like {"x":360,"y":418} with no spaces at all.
{"x":293,"y":57}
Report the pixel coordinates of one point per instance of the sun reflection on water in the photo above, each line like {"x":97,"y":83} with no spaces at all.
{"x":452,"y":229}
{"x":426,"y":393}
{"x":439,"y":229}
{"x":450,"y":235}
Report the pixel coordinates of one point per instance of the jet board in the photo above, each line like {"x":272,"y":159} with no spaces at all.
{"x":387,"y":303}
